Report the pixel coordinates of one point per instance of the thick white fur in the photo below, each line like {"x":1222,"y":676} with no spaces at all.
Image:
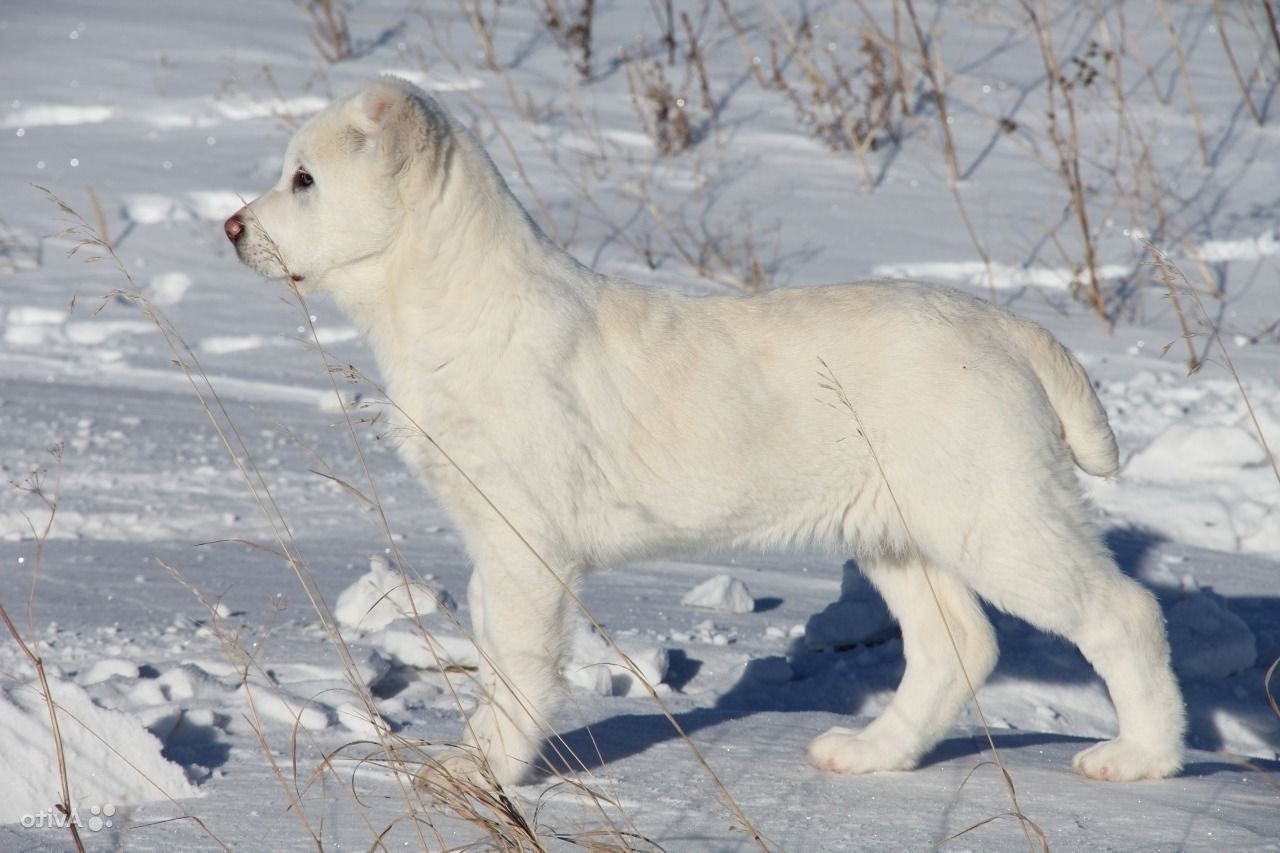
{"x":612,"y":422}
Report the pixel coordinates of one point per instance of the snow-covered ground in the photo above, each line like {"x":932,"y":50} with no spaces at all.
{"x":172,"y":113}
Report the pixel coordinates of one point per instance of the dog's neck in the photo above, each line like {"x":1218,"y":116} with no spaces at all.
{"x":467,"y":263}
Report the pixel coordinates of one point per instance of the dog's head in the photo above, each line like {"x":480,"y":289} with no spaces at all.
{"x":349,"y":176}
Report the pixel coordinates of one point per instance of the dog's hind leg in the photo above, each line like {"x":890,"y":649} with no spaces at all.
{"x":934,"y":688}
{"x":1056,"y":575}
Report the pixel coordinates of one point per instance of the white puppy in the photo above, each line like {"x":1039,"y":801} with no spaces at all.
{"x":610,"y":422}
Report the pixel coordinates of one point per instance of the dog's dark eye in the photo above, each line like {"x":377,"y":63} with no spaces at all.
{"x":302,"y":180}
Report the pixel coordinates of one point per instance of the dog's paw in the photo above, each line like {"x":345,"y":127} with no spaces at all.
{"x":1122,"y":761}
{"x":457,"y":767}
{"x":465,"y":767}
{"x":842,"y":750}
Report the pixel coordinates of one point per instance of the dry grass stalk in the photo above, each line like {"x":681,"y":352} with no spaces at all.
{"x":891,"y":42}
{"x":713,"y":250}
{"x":328,"y":28}
{"x":98,"y":213}
{"x":1166,"y":276}
{"x":1133,"y":49}
{"x":899,"y":66}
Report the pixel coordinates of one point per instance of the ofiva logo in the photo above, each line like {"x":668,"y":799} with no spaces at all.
{"x":99,"y":818}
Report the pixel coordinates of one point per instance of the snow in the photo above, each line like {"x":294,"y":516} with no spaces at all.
{"x":384,"y":595}
{"x":168,"y":288}
{"x":857,"y":617}
{"x":45,"y":115}
{"x":1001,"y":276}
{"x":1244,"y":249}
{"x":422,"y":650}
{"x":173,"y":119}
{"x":106,"y":668}
{"x":1195,"y":469}
{"x":289,"y":709}
{"x":722,"y":592}
{"x":1208,"y":640}
{"x":596,"y":667}
{"x":112,"y":758}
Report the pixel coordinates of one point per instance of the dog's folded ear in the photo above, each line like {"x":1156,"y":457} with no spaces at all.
{"x":393,"y":117}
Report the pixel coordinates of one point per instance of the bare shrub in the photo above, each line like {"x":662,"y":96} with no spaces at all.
{"x":687,"y":228}
{"x":1221,"y":19}
{"x":740,"y":34}
{"x":328,"y":28}
{"x":483,"y":26}
{"x":661,"y":107}
{"x":17,"y":252}
{"x":931,"y":64}
{"x":846,"y":108}
{"x":1273,"y":25}
{"x":666,"y":109}
{"x":1186,"y":80}
{"x":571,"y":31}
{"x":846,"y":93}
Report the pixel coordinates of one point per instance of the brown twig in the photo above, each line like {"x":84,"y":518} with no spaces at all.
{"x":931,"y":60}
{"x":1067,"y":147}
{"x":1231,"y":58}
{"x":1272,"y":26}
{"x":1186,"y":79}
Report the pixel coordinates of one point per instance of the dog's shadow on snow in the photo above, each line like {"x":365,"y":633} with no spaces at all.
{"x":841,"y":682}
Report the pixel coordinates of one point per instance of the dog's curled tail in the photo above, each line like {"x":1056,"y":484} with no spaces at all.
{"x":1084,"y":421}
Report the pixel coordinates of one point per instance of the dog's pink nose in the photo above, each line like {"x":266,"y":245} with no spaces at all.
{"x":234,"y":227}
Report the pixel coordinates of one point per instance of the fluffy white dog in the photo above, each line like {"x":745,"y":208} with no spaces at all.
{"x":611,"y":422}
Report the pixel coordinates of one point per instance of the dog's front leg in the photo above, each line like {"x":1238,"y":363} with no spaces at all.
{"x":520,"y":615}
